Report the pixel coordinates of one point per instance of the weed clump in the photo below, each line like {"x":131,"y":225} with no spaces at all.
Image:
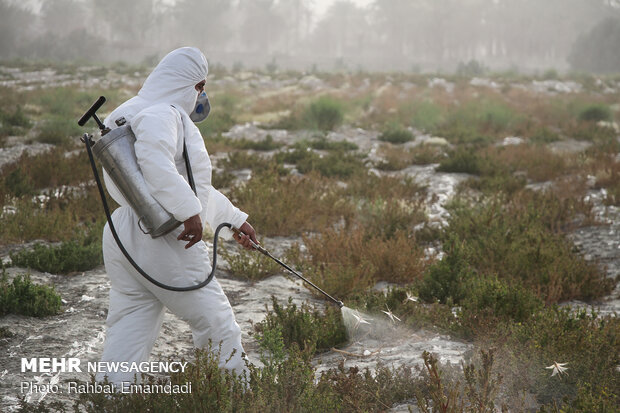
{"x":322,"y":143}
{"x":325,"y":113}
{"x":350,"y":261}
{"x":513,"y":241}
{"x":22,"y":296}
{"x":396,"y":134}
{"x":334,"y":164}
{"x":290,"y":205}
{"x":68,"y":257}
{"x":58,"y":130}
{"x":250,"y":264}
{"x":462,"y":161}
{"x":595,"y":113}
{"x":310,"y":329}
{"x":13,"y":123}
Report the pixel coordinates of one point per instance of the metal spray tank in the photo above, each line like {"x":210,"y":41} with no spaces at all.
{"x":115,"y":151}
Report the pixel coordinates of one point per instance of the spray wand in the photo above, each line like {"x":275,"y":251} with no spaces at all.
{"x":268,"y":254}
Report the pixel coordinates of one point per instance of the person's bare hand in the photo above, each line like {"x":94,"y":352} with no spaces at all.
{"x":192,"y":231}
{"x":248,"y":235}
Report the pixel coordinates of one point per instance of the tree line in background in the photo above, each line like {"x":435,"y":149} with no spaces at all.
{"x":388,"y":35}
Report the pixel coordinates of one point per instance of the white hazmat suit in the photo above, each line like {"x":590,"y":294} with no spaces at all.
{"x":159,"y":118}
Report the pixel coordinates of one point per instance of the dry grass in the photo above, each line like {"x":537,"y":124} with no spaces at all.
{"x":290,"y":205}
{"x":350,"y":261}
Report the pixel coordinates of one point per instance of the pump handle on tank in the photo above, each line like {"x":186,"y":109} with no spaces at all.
{"x":90,"y":113}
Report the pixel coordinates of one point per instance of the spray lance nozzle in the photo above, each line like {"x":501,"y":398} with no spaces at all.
{"x":263,"y":251}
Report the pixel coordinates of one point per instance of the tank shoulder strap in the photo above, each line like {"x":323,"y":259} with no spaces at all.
{"x":188,"y":165}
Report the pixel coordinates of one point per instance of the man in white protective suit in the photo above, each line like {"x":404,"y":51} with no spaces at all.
{"x":159,"y":118}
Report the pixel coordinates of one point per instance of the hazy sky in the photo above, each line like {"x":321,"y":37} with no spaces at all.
{"x":322,"y":5}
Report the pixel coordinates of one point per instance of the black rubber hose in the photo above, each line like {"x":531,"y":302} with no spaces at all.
{"x":86,"y":140}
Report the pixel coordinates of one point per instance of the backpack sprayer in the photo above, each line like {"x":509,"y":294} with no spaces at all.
{"x":115,"y":151}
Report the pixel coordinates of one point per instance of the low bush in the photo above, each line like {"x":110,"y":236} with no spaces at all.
{"x":22,"y":296}
{"x":68,"y":257}
{"x":462,"y":161}
{"x":324,"y":144}
{"x":59,"y":130}
{"x":334,"y":164}
{"x":266,"y":144}
{"x":325,"y":113}
{"x":588,"y":342}
{"x":500,"y":298}
{"x":370,"y":188}
{"x":544,"y":135}
{"x":385,"y":217}
{"x":290,"y":205}
{"x":61,"y":218}
{"x":428,"y":116}
{"x":238,"y":160}
{"x":349,"y":261}
{"x":395,"y":158}
{"x":445,"y":280}
{"x":396,"y":134}
{"x":31,"y":173}
{"x":513,"y":239}
{"x":309,"y":328}
{"x":14,"y":123}
{"x":250,"y":265}
{"x":595,"y":113}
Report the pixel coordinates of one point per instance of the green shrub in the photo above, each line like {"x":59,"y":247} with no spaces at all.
{"x":14,"y":123}
{"x":497,"y":183}
{"x":32,"y":172}
{"x":56,"y":219}
{"x":514,"y":239}
{"x":595,"y":113}
{"x":500,"y":298}
{"x":81,"y":254}
{"x":445,"y":280}
{"x":68,"y":257}
{"x":334,"y":164}
{"x":428,"y":116}
{"x":322,"y":143}
{"x":258,"y":164}
{"x":588,"y":342}
{"x":59,"y":130}
{"x":309,"y":328}
{"x":266,"y":144}
{"x":385,"y":218}
{"x":251,"y":265}
{"x":325,"y":113}
{"x":16,"y":183}
{"x":396,"y":134}
{"x":463,"y":134}
{"x":22,"y":296}
{"x":477,"y":121}
{"x":462,"y":161}
{"x":544,"y":135}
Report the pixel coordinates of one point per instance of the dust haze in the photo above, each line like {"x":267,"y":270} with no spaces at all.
{"x":470,"y":36}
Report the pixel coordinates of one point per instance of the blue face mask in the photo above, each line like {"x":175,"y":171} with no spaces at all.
{"x":202,"y":108}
